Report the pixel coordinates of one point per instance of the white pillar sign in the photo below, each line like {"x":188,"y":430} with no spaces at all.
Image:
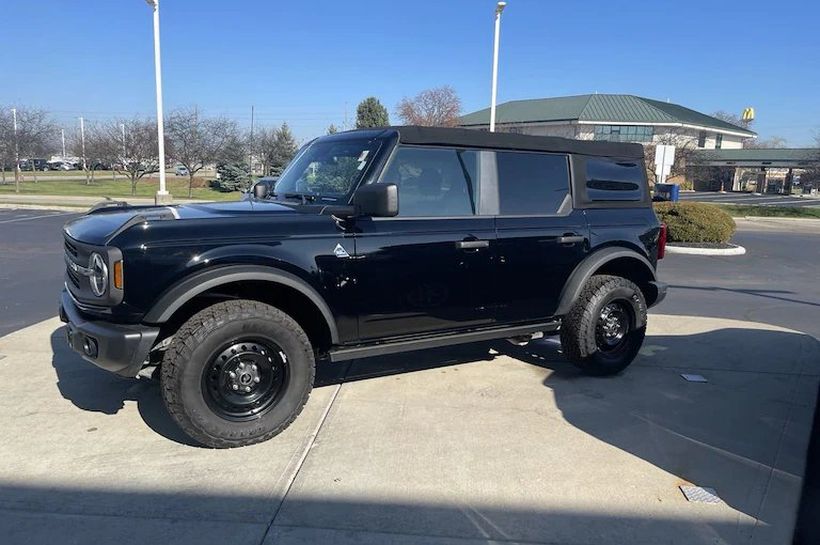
{"x":664,"y":158}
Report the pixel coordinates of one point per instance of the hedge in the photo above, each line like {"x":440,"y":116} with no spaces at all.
{"x":695,"y":222}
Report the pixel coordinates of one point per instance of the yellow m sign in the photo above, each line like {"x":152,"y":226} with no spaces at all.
{"x":748,"y":114}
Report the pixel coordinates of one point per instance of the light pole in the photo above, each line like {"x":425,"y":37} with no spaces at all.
{"x":16,"y":153}
{"x":62,"y":137}
{"x":499,"y":7}
{"x":162,"y":195}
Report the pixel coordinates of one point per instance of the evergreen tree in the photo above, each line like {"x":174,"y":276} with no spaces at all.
{"x":332,"y":129}
{"x":371,"y":113}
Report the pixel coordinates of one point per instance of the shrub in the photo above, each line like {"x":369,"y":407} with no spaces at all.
{"x":695,"y":222}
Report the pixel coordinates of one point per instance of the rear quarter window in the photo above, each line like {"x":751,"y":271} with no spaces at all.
{"x":611,"y":179}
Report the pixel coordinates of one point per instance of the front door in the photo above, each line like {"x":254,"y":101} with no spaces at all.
{"x":431,"y":268}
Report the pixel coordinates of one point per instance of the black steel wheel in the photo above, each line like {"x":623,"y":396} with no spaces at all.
{"x":244,"y":380}
{"x":237,"y":373}
{"x":605,"y":328}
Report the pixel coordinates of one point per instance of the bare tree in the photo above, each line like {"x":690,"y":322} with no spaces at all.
{"x":34,"y":136}
{"x":130,"y":146}
{"x":773,"y":142}
{"x":195,"y":141}
{"x":437,"y":107}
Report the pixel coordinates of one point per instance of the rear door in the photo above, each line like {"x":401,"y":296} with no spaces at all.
{"x":541,"y":239}
{"x":431,"y":268}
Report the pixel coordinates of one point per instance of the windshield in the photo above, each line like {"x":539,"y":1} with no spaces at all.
{"x":327,"y":170}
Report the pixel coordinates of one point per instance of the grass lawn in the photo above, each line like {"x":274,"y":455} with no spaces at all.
{"x":119,"y":188}
{"x":740,"y":210}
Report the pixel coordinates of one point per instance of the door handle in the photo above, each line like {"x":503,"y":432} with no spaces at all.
{"x":571,"y":239}
{"x":472,"y":244}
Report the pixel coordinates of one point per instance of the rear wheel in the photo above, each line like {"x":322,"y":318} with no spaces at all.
{"x":606,"y":326}
{"x":237,"y":373}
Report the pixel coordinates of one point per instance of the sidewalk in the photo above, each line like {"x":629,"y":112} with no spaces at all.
{"x":66,"y":202}
{"x":508,"y":445}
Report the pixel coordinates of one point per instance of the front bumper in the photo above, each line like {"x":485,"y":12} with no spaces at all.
{"x":660,"y":290}
{"x":119,"y":348}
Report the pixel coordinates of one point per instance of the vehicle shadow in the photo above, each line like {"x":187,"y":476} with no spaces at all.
{"x":768,"y":294}
{"x":747,"y":425}
{"x":728,"y":433}
{"x":95,"y":390}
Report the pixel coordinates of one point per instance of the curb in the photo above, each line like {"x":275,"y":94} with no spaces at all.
{"x":776,"y":218}
{"x":81,"y":209}
{"x":692,"y":250}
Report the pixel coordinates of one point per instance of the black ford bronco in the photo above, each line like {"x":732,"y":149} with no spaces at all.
{"x":371,"y":242}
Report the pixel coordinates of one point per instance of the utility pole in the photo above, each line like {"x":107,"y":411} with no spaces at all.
{"x":82,"y":148}
{"x":62,"y":137}
{"x":250,"y":145}
{"x":162,"y":195}
{"x":16,"y":153}
{"x":498,"y":9}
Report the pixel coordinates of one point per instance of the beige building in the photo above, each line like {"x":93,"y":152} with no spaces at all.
{"x":619,"y":118}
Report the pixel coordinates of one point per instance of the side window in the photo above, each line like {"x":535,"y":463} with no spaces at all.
{"x":531,"y":183}
{"x":434,"y":181}
{"x":611,"y":179}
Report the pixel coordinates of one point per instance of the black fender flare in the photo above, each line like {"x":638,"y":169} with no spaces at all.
{"x":584,"y":270}
{"x":186,"y":289}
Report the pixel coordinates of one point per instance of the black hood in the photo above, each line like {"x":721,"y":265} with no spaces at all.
{"x":100,"y":226}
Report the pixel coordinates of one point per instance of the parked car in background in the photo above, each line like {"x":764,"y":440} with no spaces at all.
{"x":60,"y":165}
{"x":180,"y":171}
{"x":34,"y":164}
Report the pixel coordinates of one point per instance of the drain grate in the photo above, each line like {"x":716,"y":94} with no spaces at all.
{"x":700,"y":494}
{"x":694,"y":378}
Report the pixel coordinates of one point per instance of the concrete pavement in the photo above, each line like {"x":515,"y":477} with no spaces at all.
{"x":477,"y":445}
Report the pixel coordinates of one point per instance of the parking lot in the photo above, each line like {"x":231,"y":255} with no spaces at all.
{"x":750,"y":198}
{"x":484,"y":443}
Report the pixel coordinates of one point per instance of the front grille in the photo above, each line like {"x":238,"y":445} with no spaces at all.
{"x":70,"y":249}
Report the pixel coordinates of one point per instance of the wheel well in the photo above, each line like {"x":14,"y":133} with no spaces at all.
{"x":634,"y":270}
{"x":287,"y":299}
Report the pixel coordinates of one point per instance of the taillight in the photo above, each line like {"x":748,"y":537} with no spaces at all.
{"x":662,"y":241}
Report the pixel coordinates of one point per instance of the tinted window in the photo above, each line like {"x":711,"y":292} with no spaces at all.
{"x":531,"y":183}
{"x":434,"y":181}
{"x":614,"y":179}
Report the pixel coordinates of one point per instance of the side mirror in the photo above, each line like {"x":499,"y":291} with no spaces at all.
{"x":377,"y":200}
{"x":263,"y":188}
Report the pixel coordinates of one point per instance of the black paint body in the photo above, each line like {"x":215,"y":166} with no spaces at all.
{"x":401,"y":277}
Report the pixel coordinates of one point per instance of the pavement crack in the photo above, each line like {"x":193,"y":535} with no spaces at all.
{"x":295,"y":473}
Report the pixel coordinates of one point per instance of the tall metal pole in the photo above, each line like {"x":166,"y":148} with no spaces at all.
{"x":16,"y":153}
{"x":122,"y":128}
{"x":162,"y":194}
{"x":82,"y":148}
{"x":62,"y":137}
{"x":498,"y":9}
{"x":250,"y":142}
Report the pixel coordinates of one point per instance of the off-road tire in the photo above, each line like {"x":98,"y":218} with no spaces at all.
{"x":198,"y":341}
{"x":579,"y":341}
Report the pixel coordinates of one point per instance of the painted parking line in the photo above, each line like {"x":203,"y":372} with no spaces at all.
{"x":28,"y":218}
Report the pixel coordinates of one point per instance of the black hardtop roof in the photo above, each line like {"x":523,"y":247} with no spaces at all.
{"x":470,"y":138}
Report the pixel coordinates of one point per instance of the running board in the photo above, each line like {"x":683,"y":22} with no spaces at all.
{"x":394,"y":347}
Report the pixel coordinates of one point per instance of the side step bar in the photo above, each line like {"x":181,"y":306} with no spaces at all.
{"x":367,"y":351}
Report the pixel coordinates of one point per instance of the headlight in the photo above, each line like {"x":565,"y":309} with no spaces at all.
{"x":99,"y":274}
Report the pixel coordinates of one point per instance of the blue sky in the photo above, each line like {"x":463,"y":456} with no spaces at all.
{"x":305,"y":61}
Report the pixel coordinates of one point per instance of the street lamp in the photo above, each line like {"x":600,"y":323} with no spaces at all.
{"x":499,"y":7}
{"x":162,"y":195}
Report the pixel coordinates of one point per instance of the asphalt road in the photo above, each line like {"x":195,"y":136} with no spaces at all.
{"x":31,"y":266}
{"x":775,"y":282}
{"x":749,"y":198}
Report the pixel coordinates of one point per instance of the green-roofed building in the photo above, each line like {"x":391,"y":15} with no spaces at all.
{"x":622,"y":118}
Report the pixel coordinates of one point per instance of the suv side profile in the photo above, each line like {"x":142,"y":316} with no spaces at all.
{"x":372,"y":242}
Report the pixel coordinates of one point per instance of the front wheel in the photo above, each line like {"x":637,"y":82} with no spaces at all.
{"x":237,"y":373}
{"x":606,"y":326}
